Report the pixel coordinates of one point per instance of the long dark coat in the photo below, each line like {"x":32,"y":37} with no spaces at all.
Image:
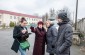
{"x":18,"y":37}
{"x":51,"y":37}
{"x":40,"y":38}
{"x":64,"y":40}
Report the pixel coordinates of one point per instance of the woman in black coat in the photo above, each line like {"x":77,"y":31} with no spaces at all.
{"x":20,"y":34}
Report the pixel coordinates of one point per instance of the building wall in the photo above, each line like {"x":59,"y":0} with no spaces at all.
{"x":81,"y":25}
{"x":0,"y":19}
{"x":7,"y":18}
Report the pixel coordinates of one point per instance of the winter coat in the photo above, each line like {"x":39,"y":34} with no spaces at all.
{"x":18,"y":37}
{"x":51,"y":37}
{"x":64,"y":40}
{"x":40,"y":39}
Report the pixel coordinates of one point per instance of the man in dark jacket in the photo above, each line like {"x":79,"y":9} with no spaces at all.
{"x":64,"y":40}
{"x":51,"y":36}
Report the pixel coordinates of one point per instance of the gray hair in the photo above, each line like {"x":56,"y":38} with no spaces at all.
{"x":50,"y":22}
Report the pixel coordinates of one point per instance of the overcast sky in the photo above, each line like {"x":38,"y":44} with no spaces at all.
{"x":42,"y":6}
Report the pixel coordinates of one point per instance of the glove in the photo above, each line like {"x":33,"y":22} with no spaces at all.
{"x":31,"y":27}
{"x":23,"y":37}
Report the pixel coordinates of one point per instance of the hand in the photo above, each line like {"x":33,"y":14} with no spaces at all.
{"x":31,"y":27}
{"x":23,"y":31}
{"x":23,"y":37}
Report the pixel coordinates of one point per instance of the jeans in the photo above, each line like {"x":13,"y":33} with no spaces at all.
{"x":23,"y":52}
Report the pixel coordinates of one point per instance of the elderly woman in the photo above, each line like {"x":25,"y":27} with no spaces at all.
{"x":40,"y":39}
{"x":51,"y":37}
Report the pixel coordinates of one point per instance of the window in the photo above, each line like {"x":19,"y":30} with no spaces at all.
{"x":10,"y":17}
{"x":32,"y":19}
{"x":14,"y":17}
{"x":0,"y":16}
{"x":0,"y":22}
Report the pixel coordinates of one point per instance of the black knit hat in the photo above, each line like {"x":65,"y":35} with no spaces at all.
{"x":64,"y":16}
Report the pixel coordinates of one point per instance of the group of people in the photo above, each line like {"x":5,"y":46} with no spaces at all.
{"x":58,"y":41}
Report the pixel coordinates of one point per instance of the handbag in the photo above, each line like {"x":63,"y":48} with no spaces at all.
{"x":25,"y":45}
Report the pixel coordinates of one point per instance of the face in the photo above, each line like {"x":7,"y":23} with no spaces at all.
{"x":24,"y":23}
{"x":59,"y":20}
{"x":40,"y":25}
{"x":47,"y":24}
